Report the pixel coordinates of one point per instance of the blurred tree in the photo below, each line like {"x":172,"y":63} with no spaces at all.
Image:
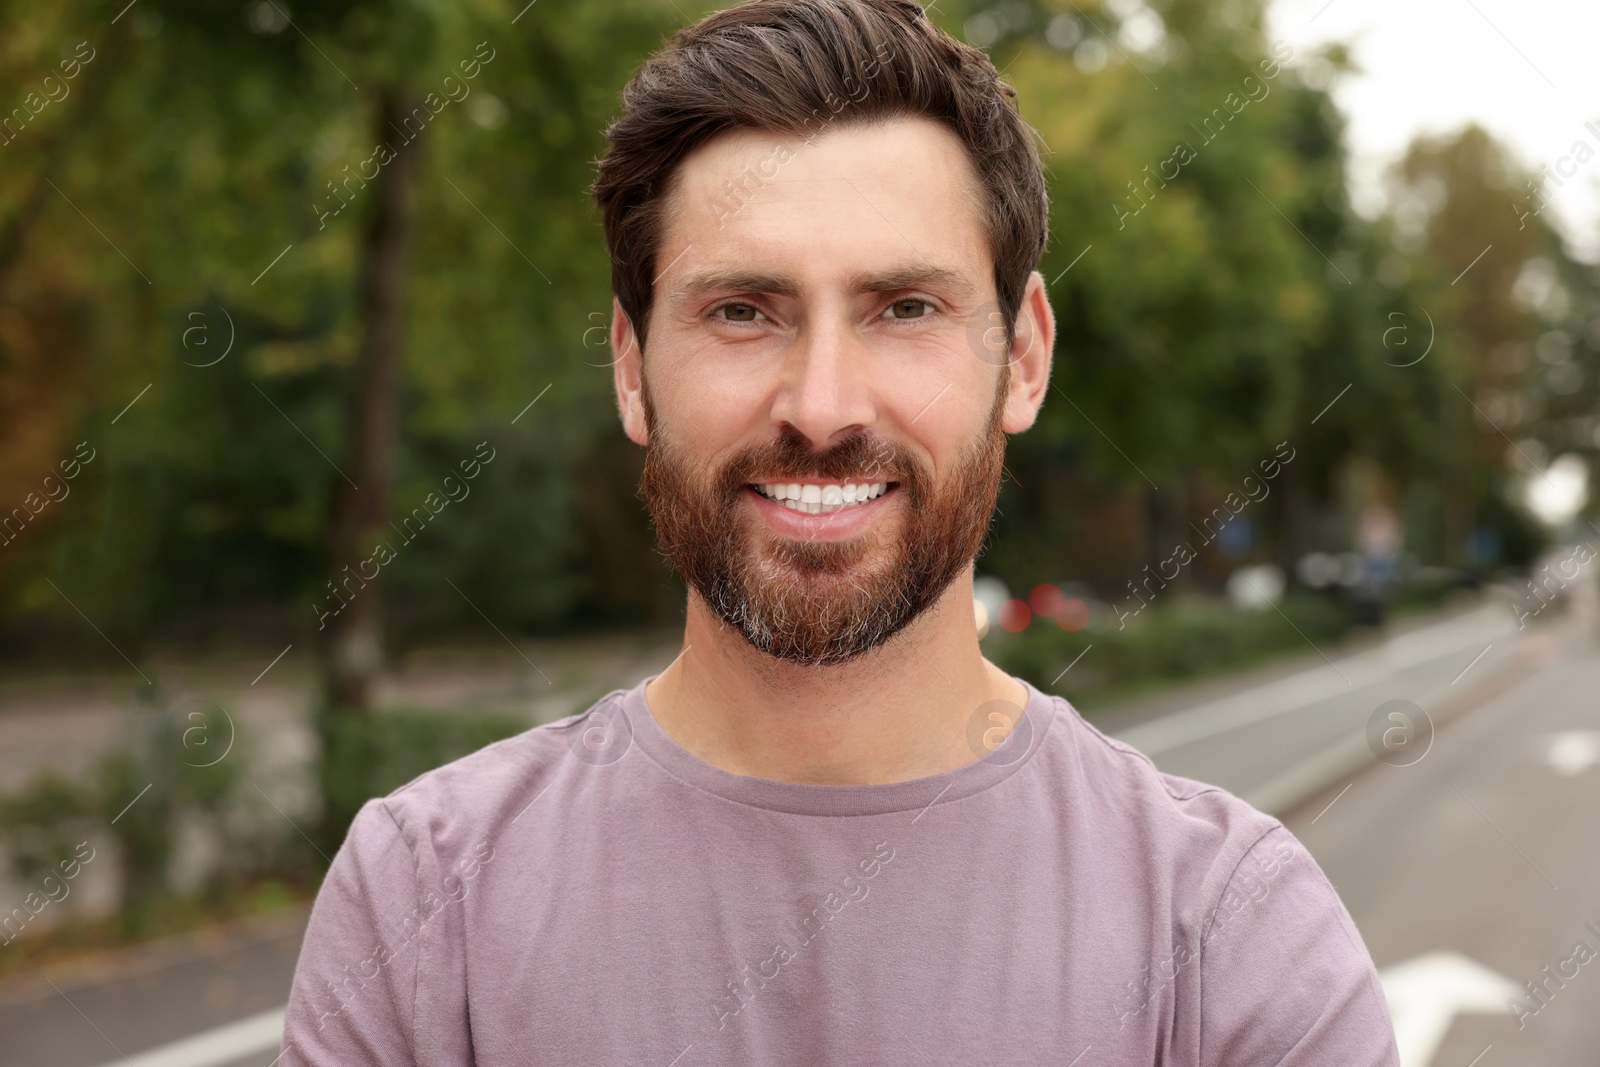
{"x":1456,"y":208}
{"x":183,"y":288}
{"x":1184,"y":157}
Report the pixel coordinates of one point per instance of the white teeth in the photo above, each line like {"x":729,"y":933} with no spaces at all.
{"x":816,"y":498}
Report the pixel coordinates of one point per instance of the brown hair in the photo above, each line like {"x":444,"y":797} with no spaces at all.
{"x":797,"y":67}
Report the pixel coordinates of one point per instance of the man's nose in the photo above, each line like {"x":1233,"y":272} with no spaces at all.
{"x":826,"y":393}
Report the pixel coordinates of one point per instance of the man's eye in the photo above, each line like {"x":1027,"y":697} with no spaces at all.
{"x":738,"y":312}
{"x":908,"y":309}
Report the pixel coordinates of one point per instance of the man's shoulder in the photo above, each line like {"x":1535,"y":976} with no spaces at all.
{"x":1117,"y":771}
{"x":476,"y":796}
{"x":1193,"y":828}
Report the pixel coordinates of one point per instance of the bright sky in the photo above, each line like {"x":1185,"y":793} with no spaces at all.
{"x":1526,"y":70}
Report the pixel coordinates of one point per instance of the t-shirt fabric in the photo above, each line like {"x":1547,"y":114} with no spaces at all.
{"x":590,"y":892}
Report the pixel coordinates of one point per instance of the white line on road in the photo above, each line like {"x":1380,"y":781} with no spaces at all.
{"x":258,"y":1033}
{"x":1299,"y":691}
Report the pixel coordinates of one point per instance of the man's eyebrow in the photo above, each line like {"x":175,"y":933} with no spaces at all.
{"x":740,"y":281}
{"x":912,"y":278}
{"x":893,"y":280}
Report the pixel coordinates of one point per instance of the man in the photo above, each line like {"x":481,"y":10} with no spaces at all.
{"x":830,"y":832}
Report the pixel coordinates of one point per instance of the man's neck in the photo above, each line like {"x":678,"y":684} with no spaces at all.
{"x":902,"y":711}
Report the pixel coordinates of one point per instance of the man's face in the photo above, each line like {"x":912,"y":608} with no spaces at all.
{"x":823,"y":327}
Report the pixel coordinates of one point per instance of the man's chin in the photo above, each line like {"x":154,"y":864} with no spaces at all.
{"x":784,"y":561}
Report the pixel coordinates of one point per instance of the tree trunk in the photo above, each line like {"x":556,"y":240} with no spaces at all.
{"x":354,"y":643}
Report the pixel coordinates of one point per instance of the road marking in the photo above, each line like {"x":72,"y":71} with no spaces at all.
{"x":1573,"y":751}
{"x":1425,"y":993}
{"x":224,"y":1044}
{"x":1299,"y":691}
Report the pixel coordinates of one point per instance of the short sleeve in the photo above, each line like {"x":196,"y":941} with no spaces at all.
{"x":353,"y":996}
{"x":1285,"y":979}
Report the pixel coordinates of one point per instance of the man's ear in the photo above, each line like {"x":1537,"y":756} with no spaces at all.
{"x":627,"y":373}
{"x":1030,"y":357}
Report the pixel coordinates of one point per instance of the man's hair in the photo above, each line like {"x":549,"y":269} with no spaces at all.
{"x":802,"y":67}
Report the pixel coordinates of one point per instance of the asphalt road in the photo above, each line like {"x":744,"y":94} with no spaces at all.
{"x":130,"y":1002}
{"x":1487,"y":850}
{"x":1469,"y":861}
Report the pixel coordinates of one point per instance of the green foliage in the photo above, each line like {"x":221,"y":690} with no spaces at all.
{"x":167,"y":772}
{"x":1219,"y":318}
{"x":41,"y":823}
{"x":165,"y":778}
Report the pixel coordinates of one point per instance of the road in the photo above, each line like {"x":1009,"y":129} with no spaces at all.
{"x":1468,"y":860}
{"x":1487,"y":848}
{"x":134,"y":1001}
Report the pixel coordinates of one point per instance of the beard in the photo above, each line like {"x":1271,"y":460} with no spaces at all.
{"x":822,"y":603}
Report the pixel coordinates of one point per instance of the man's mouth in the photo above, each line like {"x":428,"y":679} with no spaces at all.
{"x":820,"y":498}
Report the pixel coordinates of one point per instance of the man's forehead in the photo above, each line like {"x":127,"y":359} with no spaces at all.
{"x":897,"y":199}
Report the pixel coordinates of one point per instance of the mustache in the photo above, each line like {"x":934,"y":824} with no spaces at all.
{"x":859,"y":456}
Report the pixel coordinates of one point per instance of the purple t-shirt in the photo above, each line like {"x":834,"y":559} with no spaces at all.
{"x":589,"y":892}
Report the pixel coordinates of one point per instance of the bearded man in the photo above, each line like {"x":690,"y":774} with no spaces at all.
{"x":830,"y":832}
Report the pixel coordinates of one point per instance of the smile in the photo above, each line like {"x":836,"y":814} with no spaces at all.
{"x":821,"y":498}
